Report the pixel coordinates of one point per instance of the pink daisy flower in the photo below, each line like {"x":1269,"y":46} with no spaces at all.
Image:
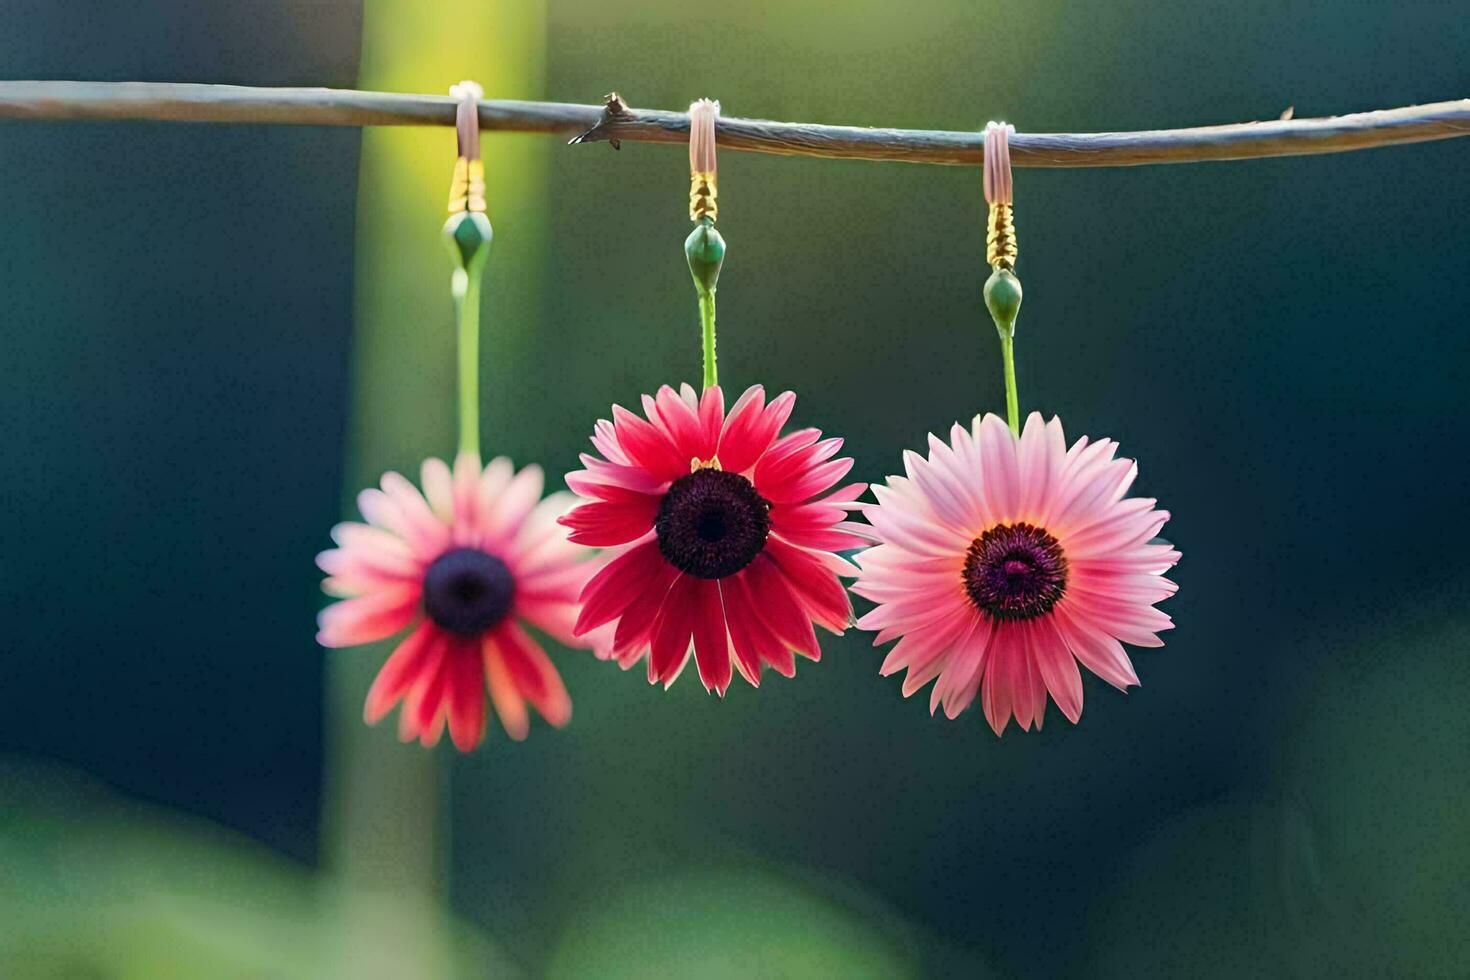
{"x":1003,"y":562}
{"x":724,"y":537}
{"x":465,"y":565}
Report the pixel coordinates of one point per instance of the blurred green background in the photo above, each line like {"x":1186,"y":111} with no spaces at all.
{"x":213,"y":335}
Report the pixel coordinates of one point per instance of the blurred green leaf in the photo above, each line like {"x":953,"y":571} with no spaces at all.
{"x":727,"y":924}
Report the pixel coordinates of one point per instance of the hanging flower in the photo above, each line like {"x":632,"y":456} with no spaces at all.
{"x":1003,"y":561}
{"x":725,"y":540}
{"x":467,"y":564}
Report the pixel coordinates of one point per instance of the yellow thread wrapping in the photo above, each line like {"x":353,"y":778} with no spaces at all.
{"x":702,"y":195}
{"x":467,"y":187}
{"x":1000,"y":238}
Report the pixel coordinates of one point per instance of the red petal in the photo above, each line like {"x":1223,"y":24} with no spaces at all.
{"x":711,"y":419}
{"x":504,"y":692}
{"x":637,"y":620}
{"x":534,"y":674}
{"x":751,"y":427}
{"x":401,"y":671}
{"x":648,"y":447}
{"x":621,"y":516}
{"x":681,"y":422}
{"x":821,"y":594}
{"x":752,"y":641}
{"x":780,"y":611}
{"x":466,"y":696}
{"x":612,"y":590}
{"x":711,"y":643}
{"x":672,"y":630}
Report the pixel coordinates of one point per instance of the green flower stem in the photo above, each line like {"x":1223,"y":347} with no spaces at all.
{"x":466,"y":289}
{"x":468,"y":235}
{"x":705,"y":251}
{"x":1013,"y":403}
{"x":707,"y":320}
{"x":1003,"y":300}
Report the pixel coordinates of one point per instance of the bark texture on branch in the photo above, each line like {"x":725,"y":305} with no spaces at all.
{"x":615,"y":121}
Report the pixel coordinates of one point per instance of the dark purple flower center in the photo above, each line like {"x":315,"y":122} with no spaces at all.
{"x":1015,"y":571}
{"x":467,"y":591}
{"x":712,"y":523}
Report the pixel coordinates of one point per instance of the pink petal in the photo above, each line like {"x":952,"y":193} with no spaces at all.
{"x":468,"y":513}
{"x":963,"y":668}
{"x":605,"y":441}
{"x":355,"y":575}
{"x":1000,"y":471}
{"x":1058,"y":668}
{"x":1040,"y":455}
{"x":926,"y":651}
{"x":996,"y":693}
{"x":368,"y":618}
{"x":419,"y":527}
{"x":438,"y":488}
{"x":1099,"y":653}
{"x":502,"y":515}
{"x":954,"y":501}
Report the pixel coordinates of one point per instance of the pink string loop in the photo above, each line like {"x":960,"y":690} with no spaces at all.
{"x":998,"y":163}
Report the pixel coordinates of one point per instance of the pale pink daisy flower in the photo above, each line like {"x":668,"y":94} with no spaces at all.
{"x":466,"y":566}
{"x":1004,"y":561}
{"x":725,"y":533}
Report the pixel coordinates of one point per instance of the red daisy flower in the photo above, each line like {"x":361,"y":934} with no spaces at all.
{"x":468,"y":564}
{"x":725,"y":542}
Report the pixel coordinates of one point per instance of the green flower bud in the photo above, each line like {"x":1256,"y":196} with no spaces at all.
{"x":705,"y":250}
{"x":468,"y":236}
{"x":1003,"y":300}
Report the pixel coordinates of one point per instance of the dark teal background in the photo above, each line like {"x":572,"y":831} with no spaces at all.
{"x":1281,"y":343}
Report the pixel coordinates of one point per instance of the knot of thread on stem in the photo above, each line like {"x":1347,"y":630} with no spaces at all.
{"x":467,"y":186}
{"x":1000,"y":237}
{"x":703,"y":181}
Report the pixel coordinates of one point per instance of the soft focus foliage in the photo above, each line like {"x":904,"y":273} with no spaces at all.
{"x":1354,"y":861}
{"x":725,"y":925}
{"x":94,"y":887}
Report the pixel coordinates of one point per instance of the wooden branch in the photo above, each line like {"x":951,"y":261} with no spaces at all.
{"x":615,"y":121}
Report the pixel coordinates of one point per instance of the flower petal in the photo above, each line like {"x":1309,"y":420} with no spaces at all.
{"x":533,"y":673}
{"x":711,"y":641}
{"x":673,"y":631}
{"x":401,"y":671}
{"x":368,"y":618}
{"x":612,"y":590}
